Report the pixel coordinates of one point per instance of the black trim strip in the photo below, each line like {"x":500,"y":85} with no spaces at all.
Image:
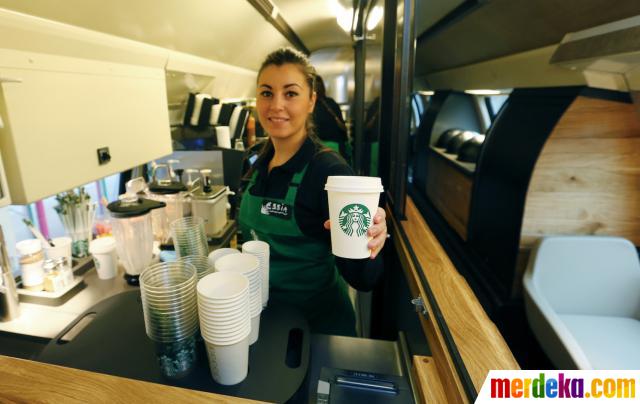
{"x":451,"y":18}
{"x":467,"y":383}
{"x":265,"y":8}
{"x":405,"y":358}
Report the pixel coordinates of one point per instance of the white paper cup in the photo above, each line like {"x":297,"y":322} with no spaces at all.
{"x":240,"y":263}
{"x":255,"y":329}
{"x":229,"y":364}
{"x":62,"y":249}
{"x":353,"y":202}
{"x":222,"y":285}
{"x":105,"y":257}
{"x":223,"y":136}
{"x":219,"y":253}
{"x":260,"y":250}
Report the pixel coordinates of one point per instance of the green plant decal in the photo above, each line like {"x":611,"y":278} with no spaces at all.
{"x":354,"y":218}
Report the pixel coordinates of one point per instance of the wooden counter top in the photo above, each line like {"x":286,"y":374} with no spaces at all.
{"x":23,"y":381}
{"x":476,"y":337}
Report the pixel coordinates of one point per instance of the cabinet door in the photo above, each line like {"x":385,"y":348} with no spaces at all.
{"x":58,"y":111}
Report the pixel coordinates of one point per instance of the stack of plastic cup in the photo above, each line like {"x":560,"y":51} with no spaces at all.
{"x":170,"y":311}
{"x":189,"y":237}
{"x":203,"y":268}
{"x":249,"y":266}
{"x":260,"y":250}
{"x":219,"y":253}
{"x":225,"y":324}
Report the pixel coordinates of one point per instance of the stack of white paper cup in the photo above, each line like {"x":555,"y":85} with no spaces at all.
{"x":170,"y":310}
{"x":249,"y":266}
{"x":260,"y":250}
{"x":223,"y":136}
{"x":225,"y":324}
{"x":219,"y":253}
{"x":353,"y":202}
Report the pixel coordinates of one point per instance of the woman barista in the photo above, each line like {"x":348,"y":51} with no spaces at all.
{"x":285,"y":203}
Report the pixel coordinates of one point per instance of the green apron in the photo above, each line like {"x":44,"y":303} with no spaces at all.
{"x":302,"y":269}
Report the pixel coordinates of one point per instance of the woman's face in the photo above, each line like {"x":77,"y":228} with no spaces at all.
{"x":284,"y":101}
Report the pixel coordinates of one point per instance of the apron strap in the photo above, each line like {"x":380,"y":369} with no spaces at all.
{"x":294,"y":184}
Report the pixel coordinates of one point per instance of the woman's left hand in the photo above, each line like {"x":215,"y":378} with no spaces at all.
{"x":377,"y":231}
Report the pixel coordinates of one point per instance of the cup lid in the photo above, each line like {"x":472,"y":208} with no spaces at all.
{"x":170,"y":187}
{"x":353,"y":183}
{"x":126,"y":207}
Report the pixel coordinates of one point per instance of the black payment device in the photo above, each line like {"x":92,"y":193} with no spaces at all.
{"x":348,"y":386}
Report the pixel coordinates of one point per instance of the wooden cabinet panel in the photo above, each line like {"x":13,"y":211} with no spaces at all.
{"x":450,"y":191}
{"x":587,"y":178}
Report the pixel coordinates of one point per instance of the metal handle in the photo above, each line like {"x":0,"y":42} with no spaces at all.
{"x":9,"y":80}
{"x":419,"y":305}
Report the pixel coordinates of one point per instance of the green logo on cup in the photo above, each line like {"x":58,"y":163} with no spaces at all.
{"x":354,"y":218}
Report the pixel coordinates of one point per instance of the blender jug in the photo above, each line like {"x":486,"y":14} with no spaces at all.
{"x":171,"y":192}
{"x":131,"y":224}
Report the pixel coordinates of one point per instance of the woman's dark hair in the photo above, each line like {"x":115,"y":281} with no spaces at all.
{"x":286,"y":56}
{"x":321,"y":90}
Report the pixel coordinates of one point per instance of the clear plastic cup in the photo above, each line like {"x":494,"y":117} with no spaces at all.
{"x":169,"y":301}
{"x":189,"y":237}
{"x":201,"y":263}
{"x":178,"y":358}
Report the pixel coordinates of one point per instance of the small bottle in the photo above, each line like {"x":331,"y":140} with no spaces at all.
{"x":64,"y":269}
{"x":53,"y":281}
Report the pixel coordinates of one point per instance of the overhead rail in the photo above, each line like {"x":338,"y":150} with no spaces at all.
{"x":271,"y":13}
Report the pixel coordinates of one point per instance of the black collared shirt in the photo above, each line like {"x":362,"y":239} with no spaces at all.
{"x":311,"y":208}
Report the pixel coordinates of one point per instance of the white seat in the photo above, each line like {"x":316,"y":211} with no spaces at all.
{"x":582,"y":298}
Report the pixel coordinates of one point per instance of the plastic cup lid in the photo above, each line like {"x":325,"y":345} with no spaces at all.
{"x":102,"y":245}
{"x":353,"y":183}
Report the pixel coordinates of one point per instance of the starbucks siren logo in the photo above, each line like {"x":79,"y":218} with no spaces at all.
{"x":354,"y":218}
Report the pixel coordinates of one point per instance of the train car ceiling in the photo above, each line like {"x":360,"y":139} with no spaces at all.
{"x":504,"y":43}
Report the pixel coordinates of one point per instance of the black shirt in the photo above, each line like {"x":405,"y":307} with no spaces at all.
{"x":311,"y":207}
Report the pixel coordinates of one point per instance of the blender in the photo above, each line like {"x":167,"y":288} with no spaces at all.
{"x":171,"y":191}
{"x":131,"y":224}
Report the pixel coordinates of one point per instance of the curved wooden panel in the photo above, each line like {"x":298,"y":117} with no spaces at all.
{"x":587,"y":178}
